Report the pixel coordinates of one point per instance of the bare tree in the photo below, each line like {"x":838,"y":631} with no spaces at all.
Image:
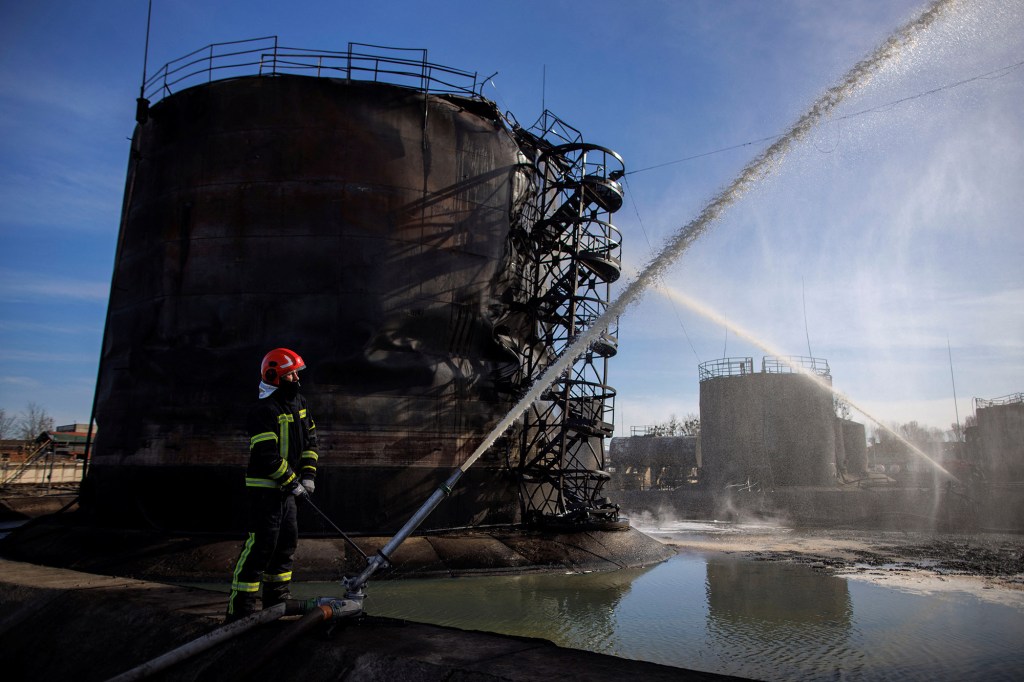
{"x":842,"y":407}
{"x":34,"y":420}
{"x":7,"y":422}
{"x":688,"y":426}
{"x":900,"y":438}
{"x":921,"y":435}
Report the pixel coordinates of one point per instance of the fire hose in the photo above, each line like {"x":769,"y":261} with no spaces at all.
{"x":314,"y":611}
{"x":203,"y":643}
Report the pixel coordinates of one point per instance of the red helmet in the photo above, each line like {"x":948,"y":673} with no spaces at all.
{"x":278,"y":362}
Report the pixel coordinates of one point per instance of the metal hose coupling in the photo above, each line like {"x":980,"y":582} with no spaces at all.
{"x":332,"y":608}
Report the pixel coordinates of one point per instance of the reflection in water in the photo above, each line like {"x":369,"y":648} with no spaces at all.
{"x":776,"y":615}
{"x":755,"y":619}
{"x":576,"y":608}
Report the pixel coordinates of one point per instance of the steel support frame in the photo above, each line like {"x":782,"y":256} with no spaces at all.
{"x":575,"y":255}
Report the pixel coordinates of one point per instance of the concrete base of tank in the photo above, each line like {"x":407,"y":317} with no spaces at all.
{"x":63,"y":540}
{"x":998,"y":508}
{"x":58,"y":624}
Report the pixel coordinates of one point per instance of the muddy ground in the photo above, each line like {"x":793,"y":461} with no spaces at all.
{"x":984,"y":563}
{"x":987,"y":565}
{"x":22,"y":502}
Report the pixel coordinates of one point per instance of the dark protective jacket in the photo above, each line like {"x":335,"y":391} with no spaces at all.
{"x":282,"y":443}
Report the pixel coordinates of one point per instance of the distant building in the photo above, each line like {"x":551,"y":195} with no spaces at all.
{"x":13,"y":450}
{"x":63,"y":441}
{"x":74,"y":428}
{"x":54,"y":456}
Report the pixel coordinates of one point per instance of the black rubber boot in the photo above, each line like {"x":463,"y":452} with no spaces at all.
{"x":240,"y":605}
{"x":275,"y":593}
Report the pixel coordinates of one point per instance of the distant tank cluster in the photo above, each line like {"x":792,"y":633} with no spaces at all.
{"x":771,"y":445}
{"x":777,"y":427}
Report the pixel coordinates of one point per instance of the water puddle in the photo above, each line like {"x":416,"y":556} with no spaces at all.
{"x":679,"y":529}
{"x":724,"y":614}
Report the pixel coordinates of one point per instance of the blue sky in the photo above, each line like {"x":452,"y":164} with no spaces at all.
{"x":893,"y":230}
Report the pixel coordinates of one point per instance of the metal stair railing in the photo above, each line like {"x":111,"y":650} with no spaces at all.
{"x":34,"y":455}
{"x":576,"y":256}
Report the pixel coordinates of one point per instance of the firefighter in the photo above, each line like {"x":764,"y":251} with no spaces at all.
{"x":282,"y":468}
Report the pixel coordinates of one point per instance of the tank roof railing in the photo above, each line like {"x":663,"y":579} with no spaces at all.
{"x":786,"y":364}
{"x":1011,"y":399}
{"x":770,"y":364}
{"x":554,"y":130}
{"x":725,"y":367}
{"x":265,"y":56}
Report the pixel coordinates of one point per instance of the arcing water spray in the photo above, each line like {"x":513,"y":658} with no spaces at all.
{"x":753,"y":173}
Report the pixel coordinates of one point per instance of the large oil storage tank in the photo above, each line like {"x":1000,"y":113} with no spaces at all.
{"x":365,"y":225}
{"x":426,"y":255}
{"x":998,"y":437}
{"x":770,"y":428}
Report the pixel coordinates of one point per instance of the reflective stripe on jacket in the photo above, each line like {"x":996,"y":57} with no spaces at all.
{"x":282,"y":441}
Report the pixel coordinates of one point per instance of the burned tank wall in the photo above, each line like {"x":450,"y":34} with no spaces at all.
{"x":766,"y":430}
{"x":363,"y":225}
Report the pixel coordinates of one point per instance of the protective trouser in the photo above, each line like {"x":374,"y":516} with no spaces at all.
{"x":267,"y":554}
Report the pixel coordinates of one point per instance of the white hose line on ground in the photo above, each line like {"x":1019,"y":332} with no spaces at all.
{"x":203,"y":643}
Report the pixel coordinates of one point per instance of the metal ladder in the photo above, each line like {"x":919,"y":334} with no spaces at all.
{"x":575,"y":255}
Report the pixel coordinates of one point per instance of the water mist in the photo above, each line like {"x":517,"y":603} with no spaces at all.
{"x":755,"y":172}
{"x":703,"y":310}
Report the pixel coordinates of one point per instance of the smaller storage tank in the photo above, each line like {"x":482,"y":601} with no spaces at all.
{"x":770,"y":428}
{"x":855,"y":447}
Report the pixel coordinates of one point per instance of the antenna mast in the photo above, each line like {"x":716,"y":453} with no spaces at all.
{"x":142,"y":104}
{"x":959,"y":430}
{"x":807,"y":333}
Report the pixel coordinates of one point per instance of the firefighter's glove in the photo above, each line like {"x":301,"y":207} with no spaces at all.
{"x":297,"y":490}
{"x":309,"y":484}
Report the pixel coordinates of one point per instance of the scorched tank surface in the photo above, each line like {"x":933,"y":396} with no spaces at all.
{"x":363,"y":224}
